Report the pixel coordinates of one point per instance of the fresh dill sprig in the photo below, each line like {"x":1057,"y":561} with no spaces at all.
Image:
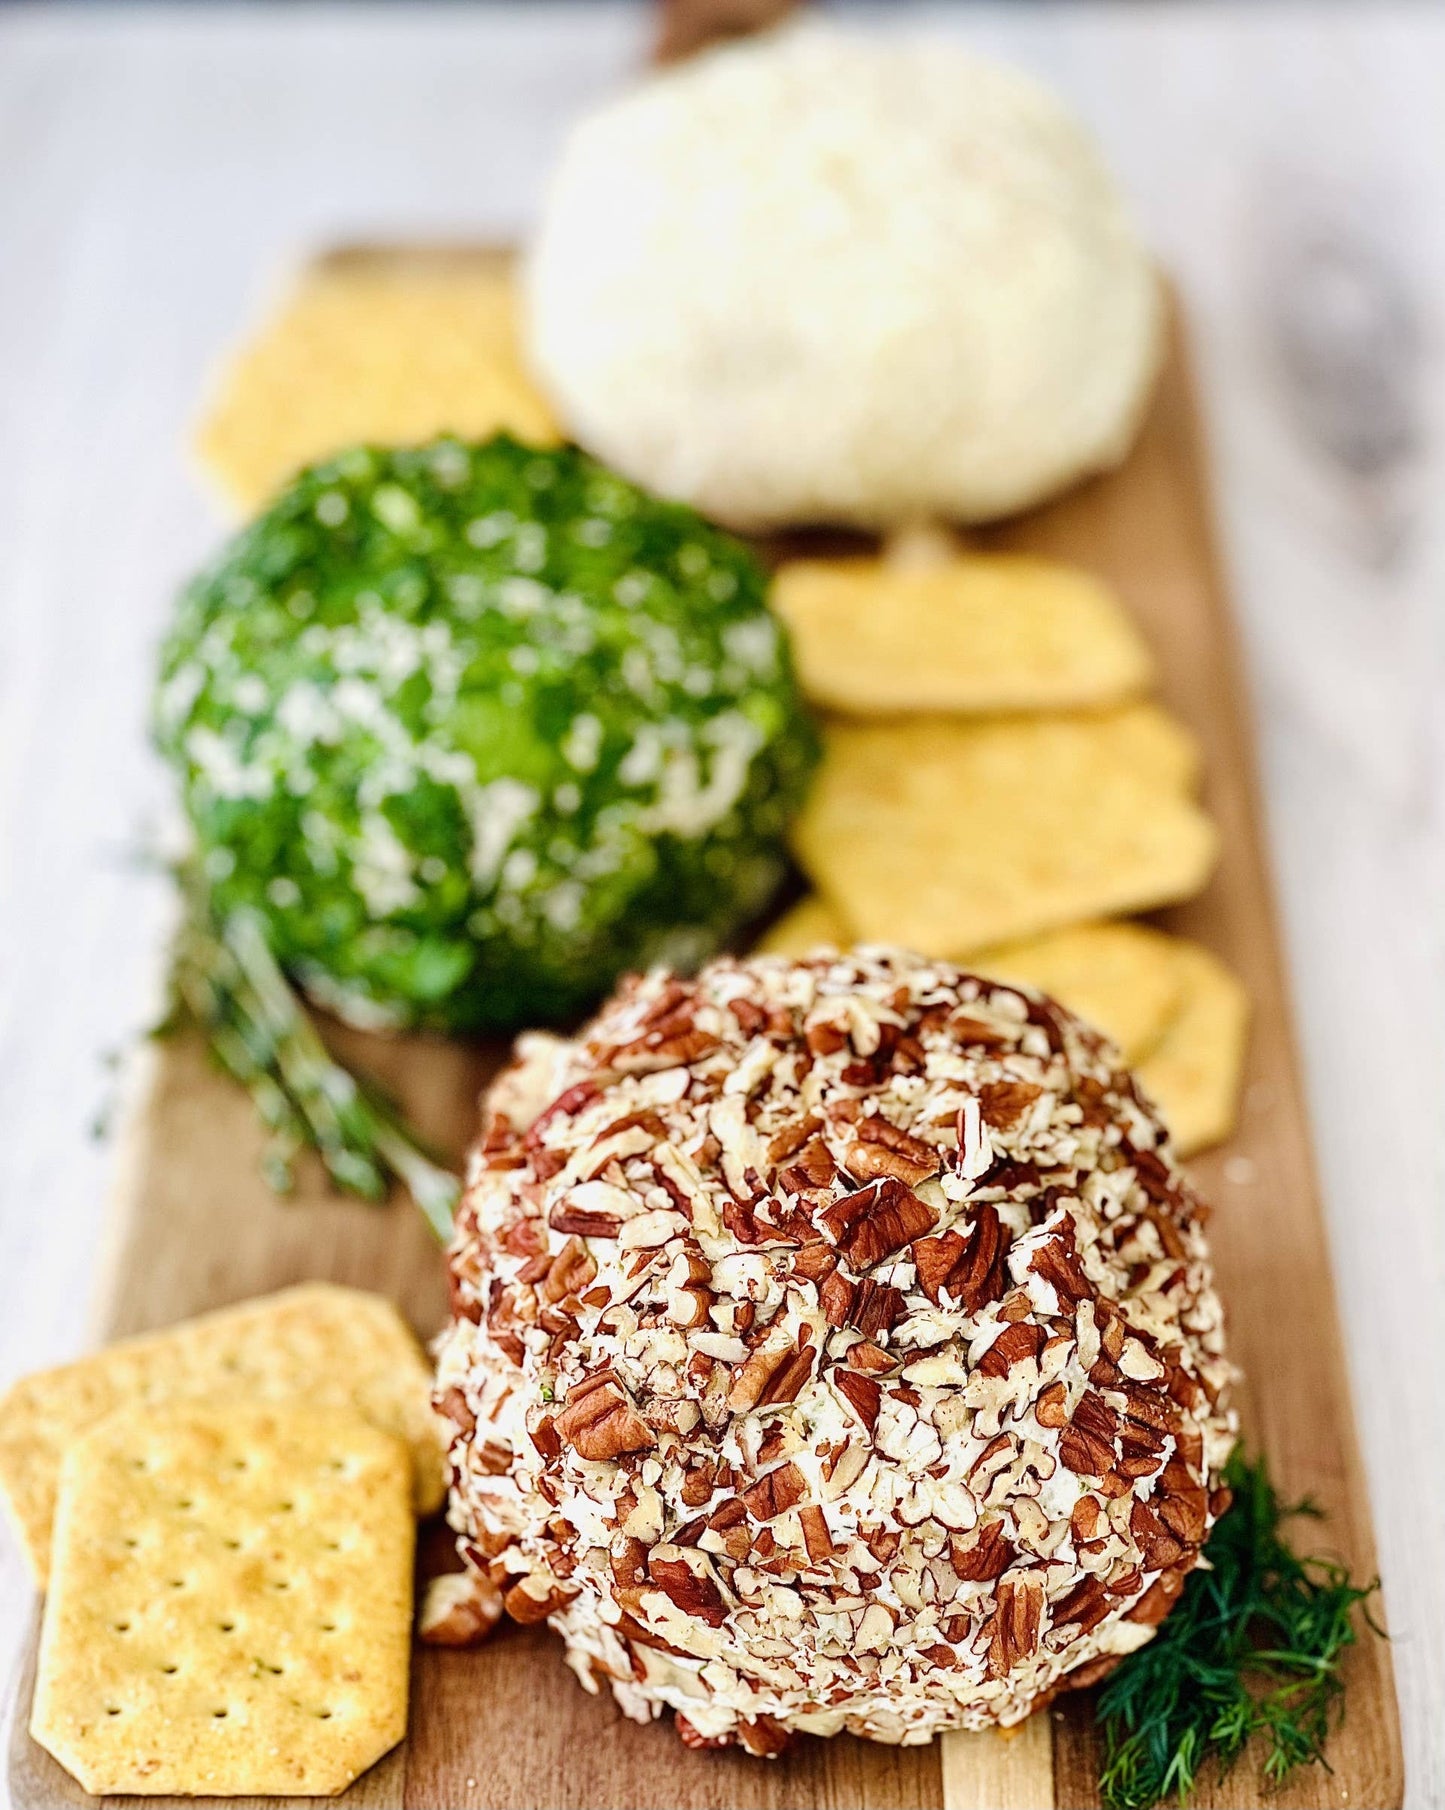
{"x":229,"y":982}
{"x":1251,"y":1649}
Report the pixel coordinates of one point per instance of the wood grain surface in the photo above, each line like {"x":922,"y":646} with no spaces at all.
{"x":507,"y":1725}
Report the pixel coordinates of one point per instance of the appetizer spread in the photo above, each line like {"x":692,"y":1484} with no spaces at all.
{"x":834,"y":1342}
{"x":834,"y":1345}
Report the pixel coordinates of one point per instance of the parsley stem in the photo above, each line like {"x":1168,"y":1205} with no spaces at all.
{"x":259,"y":1031}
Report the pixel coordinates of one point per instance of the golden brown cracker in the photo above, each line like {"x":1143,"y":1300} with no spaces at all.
{"x":388,"y":349}
{"x":810,"y":924}
{"x":321,"y":1343}
{"x":978,"y":632}
{"x":1195,"y":1072}
{"x":1154,"y":744}
{"x":1124,"y":979}
{"x":949,"y":836}
{"x":230,"y":1602}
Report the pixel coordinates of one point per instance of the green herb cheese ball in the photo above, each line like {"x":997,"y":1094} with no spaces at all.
{"x":477,"y":727}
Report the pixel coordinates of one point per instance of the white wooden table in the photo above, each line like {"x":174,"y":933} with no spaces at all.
{"x":160,"y":167}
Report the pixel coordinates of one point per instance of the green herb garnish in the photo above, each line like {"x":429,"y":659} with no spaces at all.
{"x":229,"y":982}
{"x":1252,"y":1648}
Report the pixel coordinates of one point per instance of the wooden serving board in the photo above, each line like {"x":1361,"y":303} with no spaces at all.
{"x":507,"y":1725}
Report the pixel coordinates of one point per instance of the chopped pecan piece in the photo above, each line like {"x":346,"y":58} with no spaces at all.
{"x":1087,"y":1604}
{"x":602,"y":1423}
{"x":694,"y":1592}
{"x":1057,"y":1261}
{"x":569,"y":1271}
{"x":988,"y":1555}
{"x":1004,"y":1103}
{"x":970,"y":1266}
{"x":876,"y":1221}
{"x":1017,"y":1624}
{"x":863,"y":1394}
{"x":1157,"y":1546}
{"x":525,"y":1607}
{"x":813,"y":1169}
{"x":1049,"y":1409}
{"x":816,"y":1537}
{"x":459,"y":1609}
{"x":881,"y":1148}
{"x":581,"y":1223}
{"x":763,"y":1738}
{"x":775,"y":1493}
{"x":1159,"y":1598}
{"x":815,"y":1262}
{"x":1016,"y":1343}
{"x":870,"y":1306}
{"x":1087,"y":1447}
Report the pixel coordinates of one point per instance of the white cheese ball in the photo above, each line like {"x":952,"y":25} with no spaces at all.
{"x":821,"y":278}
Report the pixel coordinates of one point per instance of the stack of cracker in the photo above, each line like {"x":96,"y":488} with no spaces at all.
{"x":998,"y":790}
{"x":223,"y":1514}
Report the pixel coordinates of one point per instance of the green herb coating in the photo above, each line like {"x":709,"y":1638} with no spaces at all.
{"x":474,"y":728}
{"x":1252,"y":1648}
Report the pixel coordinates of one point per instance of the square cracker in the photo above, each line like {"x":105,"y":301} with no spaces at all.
{"x":949,"y":836}
{"x":391,"y":348}
{"x":976,"y":632}
{"x":230,"y":1605}
{"x":319,"y":1343}
{"x":1195,"y":1071}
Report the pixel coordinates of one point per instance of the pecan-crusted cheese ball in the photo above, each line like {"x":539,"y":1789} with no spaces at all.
{"x":834,"y":1345}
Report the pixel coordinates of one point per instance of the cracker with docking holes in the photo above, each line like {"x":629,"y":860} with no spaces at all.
{"x":978,"y":632}
{"x":230,"y":1602}
{"x":1122,"y":978}
{"x":391,"y":348}
{"x":948,"y":836}
{"x":318,"y":1343}
{"x":1195,"y":1072}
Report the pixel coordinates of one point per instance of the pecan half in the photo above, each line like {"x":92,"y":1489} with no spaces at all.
{"x":1004,"y":1103}
{"x":881,"y":1148}
{"x":1087,"y":1447}
{"x":1017,"y":1624}
{"x":970,"y":1265}
{"x":602,"y":1423}
{"x":876,"y":1221}
{"x":870,"y":1306}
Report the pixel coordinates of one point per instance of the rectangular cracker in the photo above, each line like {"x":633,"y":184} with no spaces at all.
{"x":949,"y":836}
{"x":977,"y":632}
{"x":388,"y":348}
{"x":319,"y":1343}
{"x":230,"y":1605}
{"x":1124,"y":979}
{"x":1195,"y":1072}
